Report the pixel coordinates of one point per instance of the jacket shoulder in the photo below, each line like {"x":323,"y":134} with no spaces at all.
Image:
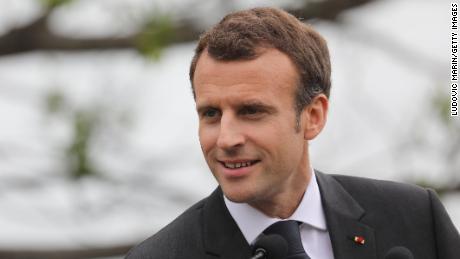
{"x":387,"y":202}
{"x":386,"y":196}
{"x":405,"y":212}
{"x":360,"y":186}
{"x":182,"y":238}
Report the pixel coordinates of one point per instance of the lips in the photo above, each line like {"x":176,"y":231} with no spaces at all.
{"x":233,"y":165}
{"x":237,"y":168}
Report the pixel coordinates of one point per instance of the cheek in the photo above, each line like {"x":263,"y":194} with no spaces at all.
{"x":282,"y":142}
{"x":268,"y":143}
{"x":207,"y":138}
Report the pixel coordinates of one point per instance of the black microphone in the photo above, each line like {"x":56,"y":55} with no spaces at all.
{"x":270,"y":247}
{"x":399,"y":252}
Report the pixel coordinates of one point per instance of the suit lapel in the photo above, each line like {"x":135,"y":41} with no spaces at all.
{"x":343,"y":215}
{"x":221,"y":236}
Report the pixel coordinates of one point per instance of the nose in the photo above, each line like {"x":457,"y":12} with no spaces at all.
{"x":230,"y":135}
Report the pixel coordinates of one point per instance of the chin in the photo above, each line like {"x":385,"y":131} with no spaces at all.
{"x":237,"y":195}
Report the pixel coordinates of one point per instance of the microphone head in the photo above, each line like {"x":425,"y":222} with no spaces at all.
{"x":274,"y":246}
{"x":399,"y":252}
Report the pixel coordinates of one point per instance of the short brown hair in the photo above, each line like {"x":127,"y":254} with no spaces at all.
{"x":240,"y":34}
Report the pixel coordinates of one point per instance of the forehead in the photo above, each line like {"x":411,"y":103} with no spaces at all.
{"x":271,"y":74}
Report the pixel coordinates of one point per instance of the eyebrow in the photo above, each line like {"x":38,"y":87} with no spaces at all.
{"x":247,"y":103}
{"x":257,"y":104}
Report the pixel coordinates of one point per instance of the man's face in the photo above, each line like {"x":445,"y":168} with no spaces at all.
{"x":247,"y":125}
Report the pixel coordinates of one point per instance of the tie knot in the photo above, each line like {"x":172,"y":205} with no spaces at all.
{"x":289,"y":230}
{"x":283,"y":227}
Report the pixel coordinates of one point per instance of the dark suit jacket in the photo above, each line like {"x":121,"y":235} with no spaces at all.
{"x":386,"y":214}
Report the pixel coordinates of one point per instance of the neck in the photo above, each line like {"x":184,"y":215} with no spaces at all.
{"x":284,"y":203}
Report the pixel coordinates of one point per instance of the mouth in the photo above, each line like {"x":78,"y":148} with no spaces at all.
{"x":238,"y":164}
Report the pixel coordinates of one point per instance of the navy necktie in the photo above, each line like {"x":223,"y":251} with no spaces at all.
{"x":289,"y":229}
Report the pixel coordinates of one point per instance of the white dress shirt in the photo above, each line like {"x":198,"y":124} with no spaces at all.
{"x":313,"y":230}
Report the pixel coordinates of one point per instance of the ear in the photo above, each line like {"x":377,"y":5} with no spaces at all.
{"x":315,"y":116}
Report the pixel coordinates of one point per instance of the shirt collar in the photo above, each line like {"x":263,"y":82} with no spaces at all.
{"x":252,"y":222}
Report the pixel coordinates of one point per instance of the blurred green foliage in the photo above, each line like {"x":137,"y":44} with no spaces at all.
{"x":83,"y":124}
{"x":157,"y":34}
{"x":54,"y":3}
{"x":54,"y":102}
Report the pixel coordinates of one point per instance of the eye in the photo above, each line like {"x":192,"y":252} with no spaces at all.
{"x":249,"y":110}
{"x":210,"y":113}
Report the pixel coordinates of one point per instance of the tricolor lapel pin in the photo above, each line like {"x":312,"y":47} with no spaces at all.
{"x":359,"y":240}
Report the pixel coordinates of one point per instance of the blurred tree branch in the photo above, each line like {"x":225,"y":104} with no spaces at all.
{"x":38,"y":36}
{"x":326,"y":10}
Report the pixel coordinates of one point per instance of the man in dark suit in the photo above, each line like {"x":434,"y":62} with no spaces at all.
{"x":261,"y":82}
